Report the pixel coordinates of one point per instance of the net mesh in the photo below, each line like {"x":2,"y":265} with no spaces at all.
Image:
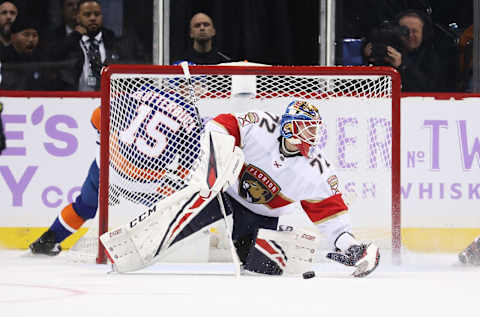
{"x":154,"y":135}
{"x":154,"y":140}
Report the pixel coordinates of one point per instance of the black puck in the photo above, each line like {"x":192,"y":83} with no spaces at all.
{"x":308,"y":274}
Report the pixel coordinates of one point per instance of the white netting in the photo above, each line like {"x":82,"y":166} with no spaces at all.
{"x":154,"y":134}
{"x":154,"y":140}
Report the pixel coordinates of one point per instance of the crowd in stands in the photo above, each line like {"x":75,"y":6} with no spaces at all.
{"x":70,"y":56}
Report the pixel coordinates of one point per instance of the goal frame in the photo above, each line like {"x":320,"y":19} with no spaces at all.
{"x":108,"y":71}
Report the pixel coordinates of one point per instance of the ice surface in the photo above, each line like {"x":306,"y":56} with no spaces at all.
{"x":424,"y":285}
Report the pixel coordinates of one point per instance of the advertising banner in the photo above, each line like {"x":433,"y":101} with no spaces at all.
{"x":441,"y":162}
{"x":51,"y":144}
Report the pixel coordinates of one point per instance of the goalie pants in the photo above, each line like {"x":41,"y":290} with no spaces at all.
{"x":245,"y":223}
{"x":245,"y":227}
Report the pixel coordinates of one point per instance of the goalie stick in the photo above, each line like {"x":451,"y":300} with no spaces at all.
{"x":220,"y":196}
{"x":191,"y":90}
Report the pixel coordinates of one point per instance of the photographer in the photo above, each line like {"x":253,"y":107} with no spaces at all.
{"x":407,"y":46}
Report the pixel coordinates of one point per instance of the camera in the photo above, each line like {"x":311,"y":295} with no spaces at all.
{"x":387,"y":35}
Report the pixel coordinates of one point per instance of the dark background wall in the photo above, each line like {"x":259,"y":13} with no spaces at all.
{"x":265,"y":31}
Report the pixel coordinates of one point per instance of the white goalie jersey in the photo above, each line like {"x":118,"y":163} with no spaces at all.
{"x":271,"y":184}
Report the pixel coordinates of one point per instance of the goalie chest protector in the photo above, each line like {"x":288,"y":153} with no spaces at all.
{"x":269,"y":182}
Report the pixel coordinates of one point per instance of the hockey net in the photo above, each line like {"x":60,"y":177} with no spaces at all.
{"x":360,"y":107}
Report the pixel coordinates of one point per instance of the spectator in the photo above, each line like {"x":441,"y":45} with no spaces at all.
{"x":59,"y":33}
{"x":89,"y":46}
{"x":203,"y":51}
{"x":19,"y":68}
{"x":415,"y":57}
{"x":8,"y":13}
{"x":69,"y":10}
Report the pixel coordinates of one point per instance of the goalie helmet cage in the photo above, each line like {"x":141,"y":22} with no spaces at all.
{"x":269,"y":88}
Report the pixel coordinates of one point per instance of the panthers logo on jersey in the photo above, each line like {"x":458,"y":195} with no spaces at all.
{"x":256,"y":186}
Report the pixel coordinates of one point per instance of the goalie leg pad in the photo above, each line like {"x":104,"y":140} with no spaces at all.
{"x":282,"y":252}
{"x":158,"y":231}
{"x":266,"y":257}
{"x":122,"y":250}
{"x":150,"y":236}
{"x":209,"y":214}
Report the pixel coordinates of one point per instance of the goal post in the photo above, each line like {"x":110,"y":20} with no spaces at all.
{"x":361,"y":135}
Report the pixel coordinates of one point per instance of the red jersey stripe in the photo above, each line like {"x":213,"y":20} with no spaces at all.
{"x":279,"y":201}
{"x":318,"y":211}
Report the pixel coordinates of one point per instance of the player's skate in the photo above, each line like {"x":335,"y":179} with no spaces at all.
{"x":365,"y":257}
{"x":471,"y":255}
{"x":46,"y":244}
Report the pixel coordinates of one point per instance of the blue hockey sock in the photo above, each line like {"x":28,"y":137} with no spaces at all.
{"x":61,"y":233}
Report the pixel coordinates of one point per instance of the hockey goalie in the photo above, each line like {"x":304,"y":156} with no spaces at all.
{"x":266,"y":165}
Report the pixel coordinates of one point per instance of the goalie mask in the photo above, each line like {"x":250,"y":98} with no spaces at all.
{"x":300,"y":125}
